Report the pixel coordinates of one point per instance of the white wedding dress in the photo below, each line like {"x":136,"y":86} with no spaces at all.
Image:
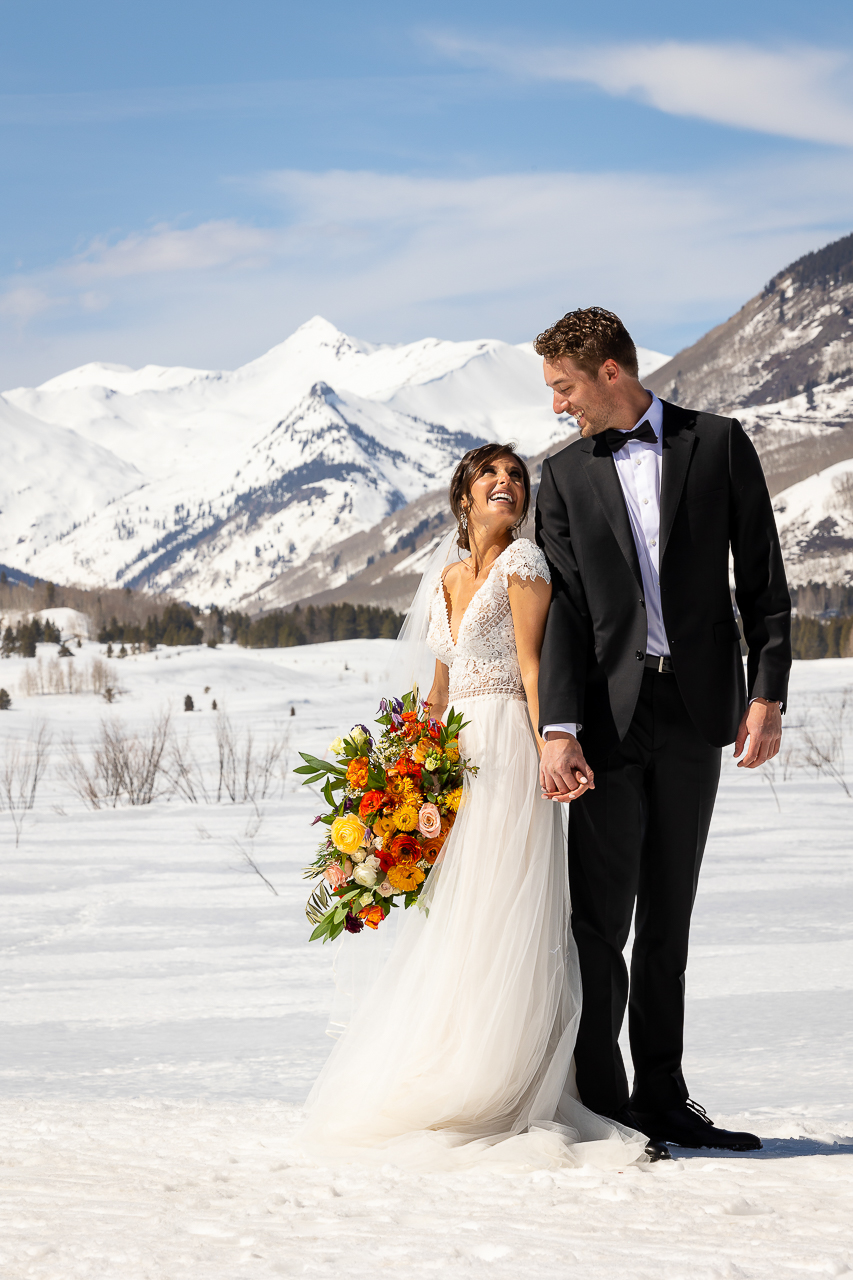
{"x":461,"y":1052}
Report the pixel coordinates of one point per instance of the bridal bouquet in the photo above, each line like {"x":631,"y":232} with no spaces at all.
{"x":392,"y":800}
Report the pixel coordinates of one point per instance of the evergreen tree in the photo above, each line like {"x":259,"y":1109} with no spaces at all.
{"x":5,"y":700}
{"x":189,"y":705}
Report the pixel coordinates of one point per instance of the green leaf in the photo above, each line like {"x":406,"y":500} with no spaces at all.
{"x":322,"y":928}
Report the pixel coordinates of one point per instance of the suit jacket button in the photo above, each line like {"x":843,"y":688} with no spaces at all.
{"x":641,"y":657}
{"x":643,"y":604}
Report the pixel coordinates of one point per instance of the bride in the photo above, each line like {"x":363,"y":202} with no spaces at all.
{"x":461,"y":1051}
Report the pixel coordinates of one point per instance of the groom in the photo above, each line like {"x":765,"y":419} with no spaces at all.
{"x":641,"y":684}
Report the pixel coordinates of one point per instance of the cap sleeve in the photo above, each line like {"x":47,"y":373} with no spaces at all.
{"x":525,"y":560}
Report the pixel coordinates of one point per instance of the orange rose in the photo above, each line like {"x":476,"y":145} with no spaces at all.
{"x":430,"y":849}
{"x":357,"y":773}
{"x":372,"y":916}
{"x":371,"y":803}
{"x":406,"y":850}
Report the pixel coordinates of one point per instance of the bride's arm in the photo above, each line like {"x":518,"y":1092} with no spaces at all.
{"x":439,"y":693}
{"x":529,"y":599}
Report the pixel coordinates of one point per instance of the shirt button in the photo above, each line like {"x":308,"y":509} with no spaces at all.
{"x":645,"y":502}
{"x":653,"y":542}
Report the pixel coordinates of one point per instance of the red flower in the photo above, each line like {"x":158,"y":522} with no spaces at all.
{"x":408,"y":767}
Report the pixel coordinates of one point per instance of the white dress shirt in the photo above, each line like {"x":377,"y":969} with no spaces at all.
{"x":638,"y":466}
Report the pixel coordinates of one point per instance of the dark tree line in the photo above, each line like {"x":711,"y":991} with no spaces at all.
{"x":313,"y":625}
{"x":27,"y":635}
{"x":176,"y":625}
{"x":813,"y":638}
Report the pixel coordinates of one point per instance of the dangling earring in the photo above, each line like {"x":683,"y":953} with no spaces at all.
{"x":463,"y":519}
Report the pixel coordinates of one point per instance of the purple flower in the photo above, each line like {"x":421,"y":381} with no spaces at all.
{"x":352,"y":924}
{"x":347,"y":804}
{"x":397,"y":705}
{"x":319,"y":818}
{"x":383,"y":706}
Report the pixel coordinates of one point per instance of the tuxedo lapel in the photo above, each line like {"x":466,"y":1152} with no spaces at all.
{"x":600,"y":470}
{"x":678,"y":443}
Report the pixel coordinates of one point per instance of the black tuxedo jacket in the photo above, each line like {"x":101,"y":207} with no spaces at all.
{"x":713,"y":497}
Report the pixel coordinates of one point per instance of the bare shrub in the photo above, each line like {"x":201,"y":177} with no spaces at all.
{"x":21,"y":772}
{"x":125,"y":766}
{"x":243,"y":775}
{"x":822,"y":739}
{"x":186,"y":774}
{"x":53,"y":676}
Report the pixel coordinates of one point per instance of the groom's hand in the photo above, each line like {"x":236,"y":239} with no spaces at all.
{"x":762,"y":724}
{"x":564,"y":775}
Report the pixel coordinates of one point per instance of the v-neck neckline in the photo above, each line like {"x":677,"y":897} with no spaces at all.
{"x":483,"y":584}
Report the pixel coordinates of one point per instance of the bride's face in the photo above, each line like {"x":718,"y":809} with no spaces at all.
{"x":497,"y":495}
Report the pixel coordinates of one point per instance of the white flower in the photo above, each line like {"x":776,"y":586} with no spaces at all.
{"x":359,"y":854}
{"x":358,"y":736}
{"x":365,"y":874}
{"x":385,"y":888}
{"x":366,"y":899}
{"x":337,"y":747}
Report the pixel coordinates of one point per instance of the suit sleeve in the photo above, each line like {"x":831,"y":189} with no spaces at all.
{"x":761,"y":588}
{"x":563,"y":663}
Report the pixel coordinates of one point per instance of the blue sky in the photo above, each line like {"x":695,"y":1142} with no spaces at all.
{"x":187,"y":182}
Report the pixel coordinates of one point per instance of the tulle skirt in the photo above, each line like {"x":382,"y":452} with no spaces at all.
{"x":460,"y":1051}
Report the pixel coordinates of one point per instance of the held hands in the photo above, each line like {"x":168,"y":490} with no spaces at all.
{"x":564,"y":775}
{"x":762,"y":724}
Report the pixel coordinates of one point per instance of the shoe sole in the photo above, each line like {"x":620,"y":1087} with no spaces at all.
{"x":705,"y":1146}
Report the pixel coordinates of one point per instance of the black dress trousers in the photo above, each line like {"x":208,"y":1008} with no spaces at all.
{"x":639,"y":838}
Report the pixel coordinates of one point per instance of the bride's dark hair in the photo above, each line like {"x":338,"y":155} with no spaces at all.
{"x":470,"y":469}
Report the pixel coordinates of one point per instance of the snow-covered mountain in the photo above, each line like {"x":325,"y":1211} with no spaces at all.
{"x":225,"y":486}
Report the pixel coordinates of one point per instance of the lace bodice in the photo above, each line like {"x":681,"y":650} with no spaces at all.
{"x":484,"y":661}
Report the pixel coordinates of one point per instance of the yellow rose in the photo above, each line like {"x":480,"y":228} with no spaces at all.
{"x":347,"y":833}
{"x":406,"y":818}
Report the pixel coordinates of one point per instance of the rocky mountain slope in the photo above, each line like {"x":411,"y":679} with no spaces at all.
{"x":784,"y":366}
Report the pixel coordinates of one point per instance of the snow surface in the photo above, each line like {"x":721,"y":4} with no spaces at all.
{"x":213,"y":483}
{"x":815,"y":521}
{"x":164,"y":1017}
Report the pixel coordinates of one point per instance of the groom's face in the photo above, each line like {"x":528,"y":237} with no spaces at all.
{"x":591,"y":400}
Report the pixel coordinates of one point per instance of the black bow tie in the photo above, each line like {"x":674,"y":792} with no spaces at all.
{"x":616,"y":439}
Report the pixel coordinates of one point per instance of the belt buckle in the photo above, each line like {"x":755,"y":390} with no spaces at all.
{"x":661,"y":661}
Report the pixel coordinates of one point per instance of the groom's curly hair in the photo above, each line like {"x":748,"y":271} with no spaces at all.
{"x":589,"y":336}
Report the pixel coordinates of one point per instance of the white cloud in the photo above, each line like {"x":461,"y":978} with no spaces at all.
{"x":166,"y":249}
{"x":800,"y":92}
{"x":393,"y":257}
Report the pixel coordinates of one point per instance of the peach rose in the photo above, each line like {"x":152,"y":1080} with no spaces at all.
{"x":429,"y":820}
{"x":334,"y":875}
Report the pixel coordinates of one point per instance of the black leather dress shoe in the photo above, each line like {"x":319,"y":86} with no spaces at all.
{"x":689,"y":1126}
{"x":655,"y":1149}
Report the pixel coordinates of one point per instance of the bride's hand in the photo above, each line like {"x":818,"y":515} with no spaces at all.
{"x":564,"y":774}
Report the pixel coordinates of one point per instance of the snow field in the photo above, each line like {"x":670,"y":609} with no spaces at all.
{"x":164,"y":1017}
